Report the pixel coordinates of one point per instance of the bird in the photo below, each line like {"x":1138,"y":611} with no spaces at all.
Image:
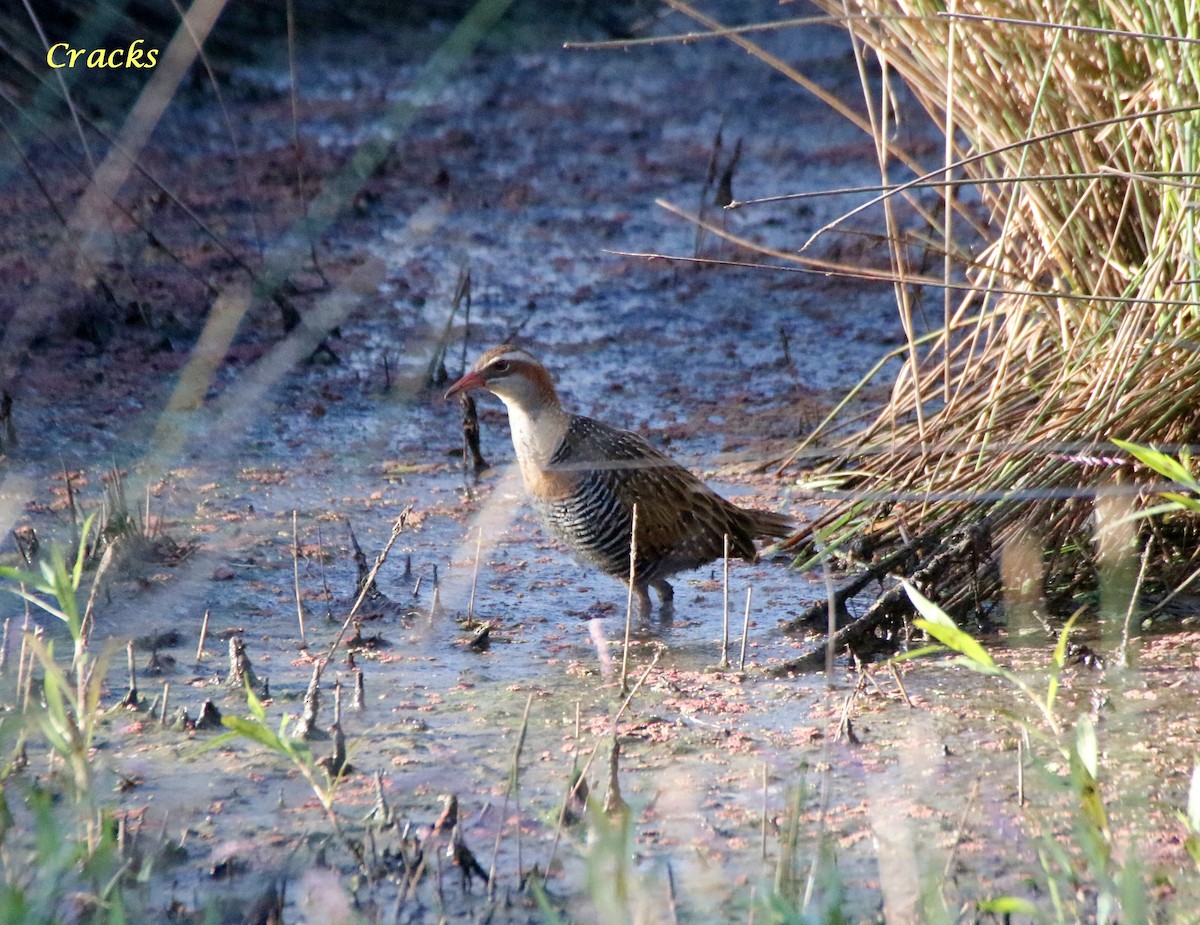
{"x":584,"y":478}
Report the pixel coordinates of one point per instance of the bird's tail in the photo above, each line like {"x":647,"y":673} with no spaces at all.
{"x":770,"y":525}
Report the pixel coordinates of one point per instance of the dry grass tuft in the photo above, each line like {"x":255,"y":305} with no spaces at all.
{"x":1081,"y":131}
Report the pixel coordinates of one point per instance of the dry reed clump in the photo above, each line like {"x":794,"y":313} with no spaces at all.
{"x":1081,"y":131}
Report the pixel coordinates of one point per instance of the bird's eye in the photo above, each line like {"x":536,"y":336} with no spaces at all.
{"x":501,"y":367}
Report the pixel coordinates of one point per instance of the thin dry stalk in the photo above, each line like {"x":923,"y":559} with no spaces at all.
{"x":203,"y":636}
{"x":640,"y":681}
{"x":899,"y":682}
{"x":952,"y":857}
{"x":24,"y":662}
{"x":166,"y":699}
{"x":64,"y":89}
{"x":571,"y":791}
{"x":725,"y":602}
{"x":131,"y":697}
{"x":629,"y":600}
{"x":397,"y":529}
{"x":671,"y":903}
{"x":511,"y":792}
{"x":326,"y":594}
{"x":296,"y":580}
{"x":1127,"y":629}
{"x":86,"y":623}
{"x":745,"y":630}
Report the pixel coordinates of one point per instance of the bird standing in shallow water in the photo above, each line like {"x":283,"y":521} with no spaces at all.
{"x":584,"y":477}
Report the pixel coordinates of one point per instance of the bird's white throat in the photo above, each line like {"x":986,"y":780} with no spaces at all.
{"x":536,"y":434}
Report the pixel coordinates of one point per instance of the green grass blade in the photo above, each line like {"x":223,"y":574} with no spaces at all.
{"x":1007,"y":905}
{"x":938,"y":624}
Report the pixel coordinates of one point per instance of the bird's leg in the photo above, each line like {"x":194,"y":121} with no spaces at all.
{"x":641,"y":602}
{"x":666,"y":598}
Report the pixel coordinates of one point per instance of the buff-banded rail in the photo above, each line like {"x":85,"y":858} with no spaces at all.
{"x":584,"y":478}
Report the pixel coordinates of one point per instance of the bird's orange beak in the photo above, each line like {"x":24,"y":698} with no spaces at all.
{"x":472,"y":380}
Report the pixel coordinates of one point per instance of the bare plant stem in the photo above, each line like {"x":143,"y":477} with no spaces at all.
{"x":326,"y":593}
{"x":86,"y":622}
{"x":296,"y":579}
{"x":24,"y":665}
{"x":645,"y":674}
{"x":571,"y":791}
{"x":671,"y":903}
{"x":203,"y":636}
{"x":629,"y":600}
{"x":745,"y":630}
{"x":1127,"y":629}
{"x":725,"y":603}
{"x":132,"y":670}
{"x":900,"y":684}
{"x":511,"y":792}
{"x":162,"y":714}
{"x":397,"y":529}
{"x":958,"y":832}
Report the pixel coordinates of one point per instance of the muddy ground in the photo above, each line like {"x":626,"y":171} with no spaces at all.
{"x":529,"y":166}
